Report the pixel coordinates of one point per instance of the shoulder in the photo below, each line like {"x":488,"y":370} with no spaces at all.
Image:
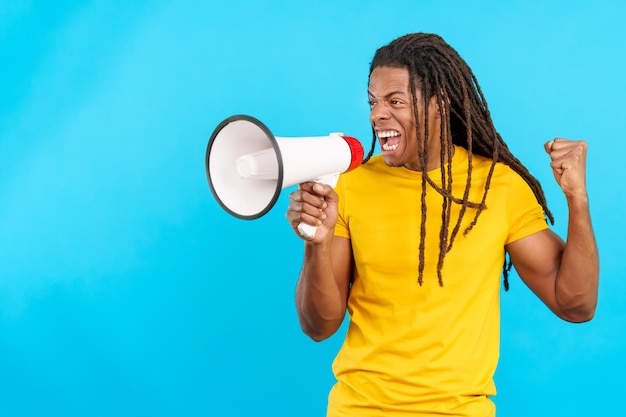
{"x":481,"y":168}
{"x":369,"y":170}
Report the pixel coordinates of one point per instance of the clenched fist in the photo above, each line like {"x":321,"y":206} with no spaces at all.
{"x":569,"y":164}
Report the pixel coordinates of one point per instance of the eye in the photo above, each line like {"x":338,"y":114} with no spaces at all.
{"x":372,"y":103}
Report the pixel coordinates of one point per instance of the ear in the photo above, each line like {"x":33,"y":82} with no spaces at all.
{"x":434,"y":107}
{"x":436,"y":103}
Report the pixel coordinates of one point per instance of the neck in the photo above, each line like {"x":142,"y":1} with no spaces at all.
{"x":434,"y":156}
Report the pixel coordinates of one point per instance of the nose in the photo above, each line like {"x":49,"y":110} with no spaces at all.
{"x":378,"y":112}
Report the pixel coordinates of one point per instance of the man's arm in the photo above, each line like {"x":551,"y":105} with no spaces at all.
{"x":564,"y":275}
{"x":324,"y":282}
{"x":322,"y":290}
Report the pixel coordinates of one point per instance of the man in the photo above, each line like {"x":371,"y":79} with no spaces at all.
{"x":412,"y":244}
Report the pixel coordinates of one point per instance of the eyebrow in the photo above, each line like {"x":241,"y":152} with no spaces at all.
{"x":369,"y":93}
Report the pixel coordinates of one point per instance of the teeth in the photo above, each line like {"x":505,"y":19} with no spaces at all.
{"x":390,"y":147}
{"x":387,"y":134}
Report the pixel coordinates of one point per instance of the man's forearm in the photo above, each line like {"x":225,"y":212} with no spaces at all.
{"x":320,"y":302}
{"x":577,"y":280}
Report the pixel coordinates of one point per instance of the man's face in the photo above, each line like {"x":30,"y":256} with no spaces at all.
{"x":391,"y":115}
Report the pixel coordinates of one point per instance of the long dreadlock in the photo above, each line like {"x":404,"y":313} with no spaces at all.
{"x":437,"y":69}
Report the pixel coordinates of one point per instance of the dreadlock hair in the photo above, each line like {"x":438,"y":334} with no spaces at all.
{"x":438,"y":70}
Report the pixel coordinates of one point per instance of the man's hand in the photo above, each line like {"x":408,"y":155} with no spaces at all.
{"x":569,"y":161}
{"x":315,"y":204}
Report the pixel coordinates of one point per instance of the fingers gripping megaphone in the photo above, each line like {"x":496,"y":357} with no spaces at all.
{"x":247,"y":166}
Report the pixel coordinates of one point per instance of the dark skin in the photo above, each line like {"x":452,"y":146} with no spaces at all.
{"x":563,"y":274}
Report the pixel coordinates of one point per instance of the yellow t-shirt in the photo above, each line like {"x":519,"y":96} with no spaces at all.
{"x":424,"y":350}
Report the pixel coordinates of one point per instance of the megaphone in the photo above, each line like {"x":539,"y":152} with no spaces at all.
{"x":247,"y":166}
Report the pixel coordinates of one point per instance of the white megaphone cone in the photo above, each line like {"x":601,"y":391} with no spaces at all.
{"x":247,"y":167}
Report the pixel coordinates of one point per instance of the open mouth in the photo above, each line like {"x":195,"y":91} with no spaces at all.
{"x":389,"y":139}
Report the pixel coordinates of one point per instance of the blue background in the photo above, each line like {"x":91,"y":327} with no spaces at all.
{"x":125,"y":290}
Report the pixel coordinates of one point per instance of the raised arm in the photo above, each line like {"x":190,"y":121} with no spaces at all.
{"x":564,"y":275}
{"x":324,"y":282}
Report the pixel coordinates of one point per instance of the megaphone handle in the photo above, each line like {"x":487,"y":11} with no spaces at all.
{"x":306,"y":230}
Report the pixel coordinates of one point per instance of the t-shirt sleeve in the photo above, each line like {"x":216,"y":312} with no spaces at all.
{"x":341,"y":228}
{"x":525,"y":214}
